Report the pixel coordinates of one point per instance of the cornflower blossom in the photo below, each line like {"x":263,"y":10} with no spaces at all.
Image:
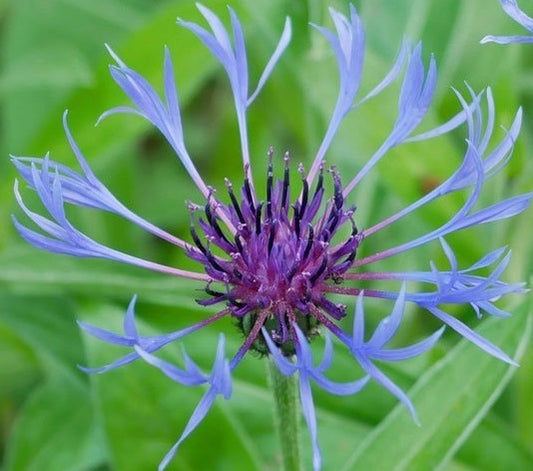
{"x":273,"y":264}
{"x":513,"y":10}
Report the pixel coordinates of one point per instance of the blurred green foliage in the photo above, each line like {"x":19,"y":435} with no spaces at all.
{"x":53,"y":417}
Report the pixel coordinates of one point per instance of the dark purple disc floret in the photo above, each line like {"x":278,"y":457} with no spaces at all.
{"x":274,"y":259}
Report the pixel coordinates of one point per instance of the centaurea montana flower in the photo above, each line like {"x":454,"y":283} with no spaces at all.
{"x":513,"y":10}
{"x":273,"y":263}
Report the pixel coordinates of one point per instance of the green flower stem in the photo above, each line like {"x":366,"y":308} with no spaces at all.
{"x":287,"y":416}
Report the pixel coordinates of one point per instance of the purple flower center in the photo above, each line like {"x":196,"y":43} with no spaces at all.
{"x":273,"y":259}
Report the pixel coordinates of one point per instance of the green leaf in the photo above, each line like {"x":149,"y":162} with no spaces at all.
{"x":57,"y":66}
{"x":19,"y":367}
{"x":451,"y":399}
{"x":45,"y":324}
{"x":523,"y":412}
{"x":50,"y":48}
{"x":494,"y":446}
{"x":26,"y":270}
{"x":56,"y":430}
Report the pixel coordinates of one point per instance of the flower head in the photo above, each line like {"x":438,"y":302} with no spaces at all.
{"x":513,"y":10}
{"x":273,"y":262}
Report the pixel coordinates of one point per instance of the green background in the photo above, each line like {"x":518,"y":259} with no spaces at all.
{"x":476,"y":412}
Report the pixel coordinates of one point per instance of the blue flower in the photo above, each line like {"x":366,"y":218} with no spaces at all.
{"x":513,"y":10}
{"x":273,"y":264}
